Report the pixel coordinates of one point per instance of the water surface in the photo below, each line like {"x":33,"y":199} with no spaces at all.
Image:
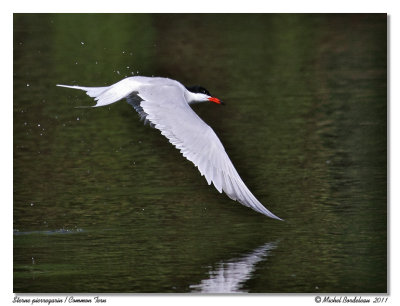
{"x":105,"y":204}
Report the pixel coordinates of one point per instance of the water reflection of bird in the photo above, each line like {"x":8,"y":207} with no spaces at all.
{"x":229,"y":276}
{"x":164,"y":103}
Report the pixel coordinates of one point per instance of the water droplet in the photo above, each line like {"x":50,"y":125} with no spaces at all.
{"x":77,"y":118}
{"x":82,"y":43}
{"x":32,"y":204}
{"x":38,"y":124}
{"x":27,"y":85}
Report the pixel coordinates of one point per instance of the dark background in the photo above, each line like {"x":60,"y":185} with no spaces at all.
{"x":105,"y":204}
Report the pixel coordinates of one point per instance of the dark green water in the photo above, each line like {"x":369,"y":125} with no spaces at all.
{"x":105,"y":204}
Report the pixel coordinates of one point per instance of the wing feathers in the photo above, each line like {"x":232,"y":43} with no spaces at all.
{"x":198,"y":143}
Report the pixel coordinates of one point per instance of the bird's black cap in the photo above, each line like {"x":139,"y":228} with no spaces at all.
{"x":198,"y":89}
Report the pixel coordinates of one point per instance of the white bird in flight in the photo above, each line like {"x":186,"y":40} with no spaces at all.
{"x":164,"y":103}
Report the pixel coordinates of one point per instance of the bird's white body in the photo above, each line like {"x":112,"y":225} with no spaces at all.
{"x":164,"y":103}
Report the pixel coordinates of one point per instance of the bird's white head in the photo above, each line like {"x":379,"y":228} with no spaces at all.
{"x":198,"y":94}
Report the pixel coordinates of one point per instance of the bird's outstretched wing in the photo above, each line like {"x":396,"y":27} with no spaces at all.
{"x":166,"y":108}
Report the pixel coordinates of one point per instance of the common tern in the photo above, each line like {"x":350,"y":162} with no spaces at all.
{"x":164,"y":104}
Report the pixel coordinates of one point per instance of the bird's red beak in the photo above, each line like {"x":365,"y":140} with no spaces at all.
{"x":215,"y":100}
